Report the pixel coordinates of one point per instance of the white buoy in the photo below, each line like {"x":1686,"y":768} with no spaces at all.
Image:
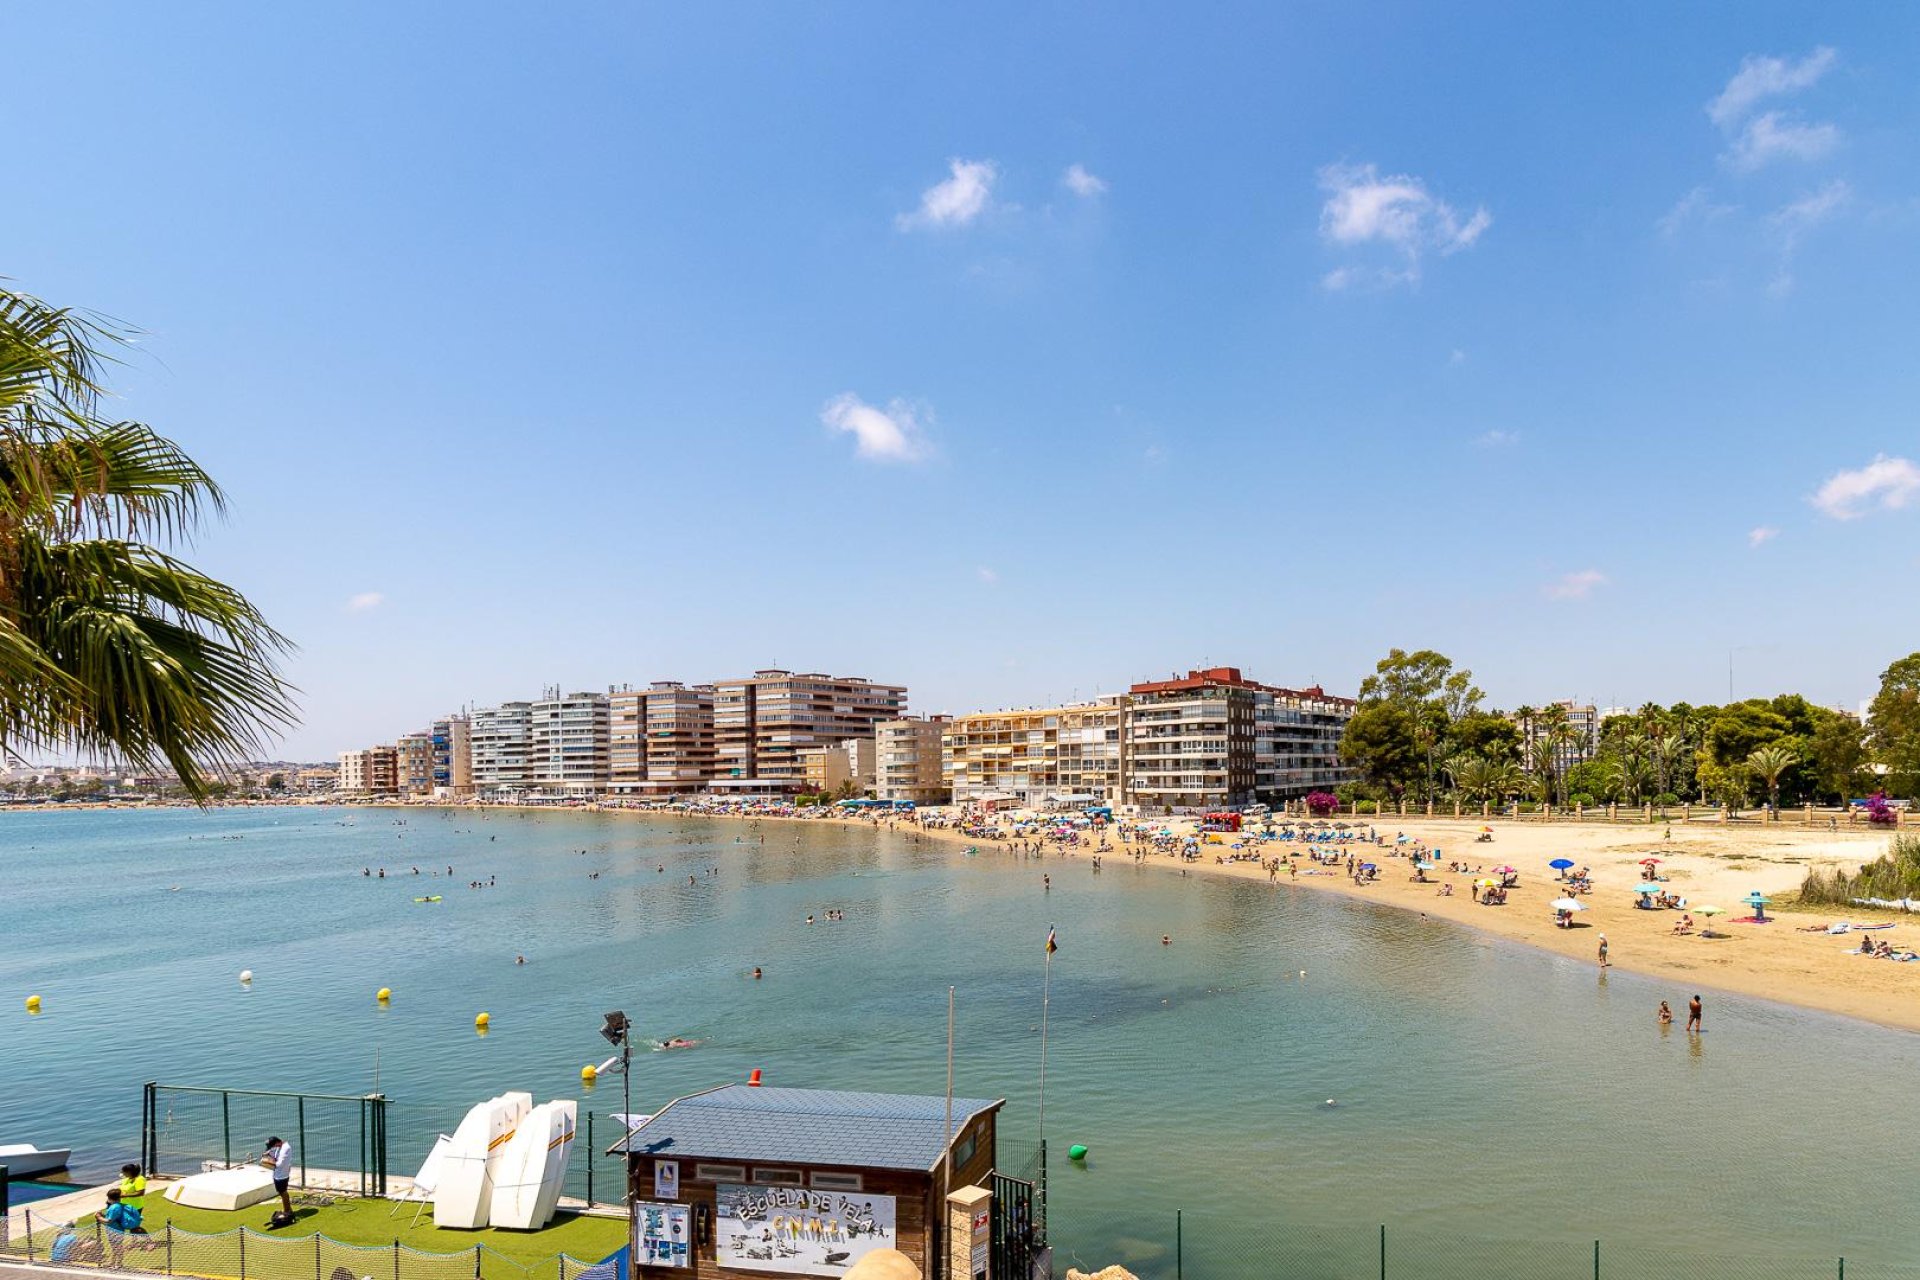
{"x":246,"y":975}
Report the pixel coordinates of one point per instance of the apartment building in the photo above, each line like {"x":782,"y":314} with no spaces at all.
{"x":452,"y":757}
{"x":907,"y":764}
{"x":848,"y":764}
{"x":1580,"y":743}
{"x":371,"y":773}
{"x":413,"y":763}
{"x":1214,"y":738}
{"x":660,"y":739}
{"x":762,"y":723}
{"x":499,"y":739}
{"x":1037,"y":757}
{"x":569,"y":744}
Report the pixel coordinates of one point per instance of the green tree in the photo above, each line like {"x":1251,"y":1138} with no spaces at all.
{"x":1420,"y":678}
{"x":108,"y":643}
{"x":1483,"y":734}
{"x":1741,"y":728}
{"x":1380,"y":741}
{"x":1768,"y":764}
{"x":1894,"y":717}
{"x":1839,"y":750}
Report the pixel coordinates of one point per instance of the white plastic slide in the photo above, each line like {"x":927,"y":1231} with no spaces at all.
{"x":464,"y":1193}
{"x":526,"y":1186}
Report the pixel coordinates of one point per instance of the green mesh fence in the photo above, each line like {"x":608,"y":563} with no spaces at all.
{"x":339,"y":1142}
{"x":245,"y":1254}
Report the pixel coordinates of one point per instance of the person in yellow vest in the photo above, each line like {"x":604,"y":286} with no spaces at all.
{"x":133,"y":1186}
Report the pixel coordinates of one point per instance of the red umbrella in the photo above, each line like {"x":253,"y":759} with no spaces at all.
{"x":1647,"y":862}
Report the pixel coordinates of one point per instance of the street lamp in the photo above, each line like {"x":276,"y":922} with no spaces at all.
{"x":617,"y":1030}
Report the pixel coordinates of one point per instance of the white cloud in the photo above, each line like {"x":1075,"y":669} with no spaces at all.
{"x":1083,"y":183}
{"x":1809,"y":211}
{"x":1496,"y":439}
{"x":1774,"y":136}
{"x":1696,"y":205}
{"x":1577,"y":585}
{"x":964,"y":196}
{"x":1396,"y":210}
{"x":893,"y":434}
{"x":1762,"y":78}
{"x":988,"y":576}
{"x":1762,"y":535}
{"x":364,"y":601}
{"x":1886,"y":483}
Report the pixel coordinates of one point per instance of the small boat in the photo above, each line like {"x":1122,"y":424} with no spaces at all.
{"x":24,"y":1160}
{"x":432,"y":897}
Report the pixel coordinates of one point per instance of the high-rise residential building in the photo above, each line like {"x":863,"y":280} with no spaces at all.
{"x":499,"y":738}
{"x":568,"y":744}
{"x":452,"y":757}
{"x":761,"y":724}
{"x":847,"y":765}
{"x":371,"y":773}
{"x":660,"y":739}
{"x":907,"y":764}
{"x":1580,"y":741}
{"x":413,"y":763}
{"x":1037,"y":757}
{"x":1215,"y":738}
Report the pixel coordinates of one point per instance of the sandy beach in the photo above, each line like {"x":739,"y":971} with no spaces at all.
{"x":1707,"y":863}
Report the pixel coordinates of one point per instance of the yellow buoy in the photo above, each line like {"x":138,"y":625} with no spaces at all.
{"x":481,"y":1020}
{"x":383,"y":995}
{"x":589,"y":1073}
{"x":33,"y":1004}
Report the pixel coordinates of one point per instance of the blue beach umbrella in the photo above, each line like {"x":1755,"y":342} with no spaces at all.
{"x":1648,"y":887}
{"x":1561,"y":864}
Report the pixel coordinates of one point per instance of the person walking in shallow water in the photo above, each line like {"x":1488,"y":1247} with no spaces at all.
{"x":1604,"y":962}
{"x":1693,"y":1014}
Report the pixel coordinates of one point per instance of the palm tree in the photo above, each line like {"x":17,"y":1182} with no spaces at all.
{"x":1768,"y":763}
{"x":1508,"y":779}
{"x":109,"y":644}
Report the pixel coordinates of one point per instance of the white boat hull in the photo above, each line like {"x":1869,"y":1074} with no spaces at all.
{"x":225,"y":1189}
{"x":526,"y":1189}
{"x":464,"y":1196}
{"x":24,"y":1160}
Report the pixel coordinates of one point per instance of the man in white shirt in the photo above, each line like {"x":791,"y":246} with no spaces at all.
{"x":279,"y":1158}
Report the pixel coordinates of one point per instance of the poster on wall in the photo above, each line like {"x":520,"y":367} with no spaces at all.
{"x":666,"y":1179}
{"x":799,"y":1231}
{"x":661,"y":1235}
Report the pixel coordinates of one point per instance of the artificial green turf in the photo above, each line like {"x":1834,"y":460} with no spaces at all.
{"x":374,"y":1222}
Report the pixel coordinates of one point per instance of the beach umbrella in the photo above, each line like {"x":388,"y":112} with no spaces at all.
{"x":1648,"y":888}
{"x":1567,"y":904}
{"x":1711,"y":911}
{"x":1486,"y":883}
{"x":1506,"y":871}
{"x":1648,"y":862}
{"x":1561,"y":864}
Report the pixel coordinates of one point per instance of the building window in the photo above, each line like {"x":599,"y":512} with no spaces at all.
{"x":835,"y":1181}
{"x":779,"y":1178}
{"x":963,"y":1149}
{"x":720,"y":1173}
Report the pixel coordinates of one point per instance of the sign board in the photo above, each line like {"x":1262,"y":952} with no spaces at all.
{"x":661,"y":1235}
{"x":799,"y":1231}
{"x":666,"y":1179}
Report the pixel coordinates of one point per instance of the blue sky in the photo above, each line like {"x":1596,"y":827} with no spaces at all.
{"x":1009,"y":351}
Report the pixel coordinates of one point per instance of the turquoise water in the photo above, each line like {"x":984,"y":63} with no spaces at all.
{"x":1500,"y":1108}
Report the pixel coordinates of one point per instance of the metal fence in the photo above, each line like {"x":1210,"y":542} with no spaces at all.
{"x":1203,"y":1247}
{"x":184,"y":1128}
{"x":243,"y":1254}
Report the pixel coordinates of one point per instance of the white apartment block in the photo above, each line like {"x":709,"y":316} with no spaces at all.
{"x":500,"y":738}
{"x":568,"y":744}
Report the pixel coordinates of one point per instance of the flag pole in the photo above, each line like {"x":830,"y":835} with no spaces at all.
{"x":1046,"y":991}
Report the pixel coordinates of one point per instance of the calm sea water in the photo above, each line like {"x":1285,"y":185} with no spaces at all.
{"x":1498,"y":1107}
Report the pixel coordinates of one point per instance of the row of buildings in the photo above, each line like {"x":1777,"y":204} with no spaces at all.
{"x":1212,"y":737}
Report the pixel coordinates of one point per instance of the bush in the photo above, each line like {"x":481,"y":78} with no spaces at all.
{"x":1367,"y":806}
{"x":1879,"y":812}
{"x":1666,"y":798}
{"x":1320,"y":804}
{"x":1585,"y":798}
{"x":1895,"y":875}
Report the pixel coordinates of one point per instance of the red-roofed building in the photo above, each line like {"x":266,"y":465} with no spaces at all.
{"x":1213,"y":737}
